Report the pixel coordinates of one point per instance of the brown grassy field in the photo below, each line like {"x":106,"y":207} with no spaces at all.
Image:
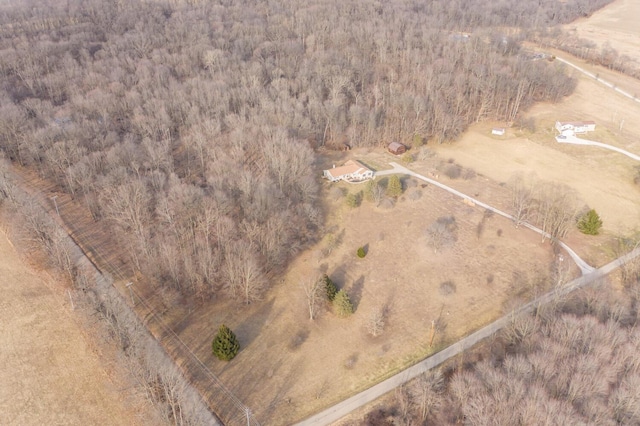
{"x":51,"y":372}
{"x":291,"y":367}
{"x":615,"y":24}
{"x":603,"y":179}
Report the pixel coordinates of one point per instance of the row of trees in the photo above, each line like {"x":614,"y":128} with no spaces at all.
{"x":148,"y":366}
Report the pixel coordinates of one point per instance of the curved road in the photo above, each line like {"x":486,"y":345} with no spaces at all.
{"x":585,"y":268}
{"x":345,"y":407}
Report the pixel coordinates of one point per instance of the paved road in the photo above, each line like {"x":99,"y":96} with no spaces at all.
{"x":597,"y":78}
{"x":579,"y":141}
{"x":585,"y":268}
{"x":345,"y":407}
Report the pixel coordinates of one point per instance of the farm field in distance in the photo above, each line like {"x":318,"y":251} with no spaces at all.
{"x":616,"y":24}
{"x":51,"y":373}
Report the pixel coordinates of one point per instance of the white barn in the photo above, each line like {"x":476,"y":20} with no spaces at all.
{"x":352,"y":171}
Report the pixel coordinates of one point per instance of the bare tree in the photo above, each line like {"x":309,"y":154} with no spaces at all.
{"x":245,"y":278}
{"x":427,"y":392}
{"x":521,"y":198}
{"x":556,"y":209}
{"x":314,"y":295}
{"x":442,"y":233}
{"x":376,"y":321}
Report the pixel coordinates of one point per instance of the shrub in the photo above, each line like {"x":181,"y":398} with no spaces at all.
{"x":330,"y":288}
{"x":225,"y":345}
{"x":394,"y":188}
{"x":447,"y":288}
{"x":361,"y":253}
{"x":342,"y":304}
{"x":418,"y":141}
{"x":590,"y":223}
{"x":407,"y":158}
{"x":351,"y":200}
{"x":453,"y":171}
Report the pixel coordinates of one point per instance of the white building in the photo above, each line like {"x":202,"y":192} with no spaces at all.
{"x":352,"y":171}
{"x":569,"y":128}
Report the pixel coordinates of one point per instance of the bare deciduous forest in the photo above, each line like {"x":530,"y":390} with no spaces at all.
{"x":196,"y":129}
{"x":572,"y":362}
{"x":191,"y":127}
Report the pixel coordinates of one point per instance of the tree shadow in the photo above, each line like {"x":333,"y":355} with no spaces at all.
{"x":355,"y":292}
{"x":251,"y":327}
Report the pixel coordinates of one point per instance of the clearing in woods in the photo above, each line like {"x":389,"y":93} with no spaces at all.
{"x":309,"y":365}
{"x":51,"y":374}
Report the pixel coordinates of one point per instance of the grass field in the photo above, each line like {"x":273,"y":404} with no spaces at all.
{"x":52,"y":373}
{"x":615,"y":24}
{"x":309,"y":365}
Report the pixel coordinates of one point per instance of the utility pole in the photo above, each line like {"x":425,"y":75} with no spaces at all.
{"x":247,"y":411}
{"x":55,"y":204}
{"x":433,"y":332}
{"x":128,"y":285}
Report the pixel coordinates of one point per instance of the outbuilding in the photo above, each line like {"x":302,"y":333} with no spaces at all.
{"x":396,"y":148}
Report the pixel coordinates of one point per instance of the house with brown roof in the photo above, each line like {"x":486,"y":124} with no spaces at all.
{"x":352,"y":171}
{"x":397,"y":148}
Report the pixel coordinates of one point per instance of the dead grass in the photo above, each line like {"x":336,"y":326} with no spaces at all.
{"x":310,"y":365}
{"x":615,"y":24}
{"x":603,"y":179}
{"x":51,"y":372}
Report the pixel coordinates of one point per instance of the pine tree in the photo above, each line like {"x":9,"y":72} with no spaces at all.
{"x":330,"y":288}
{"x":394,"y":188}
{"x":225,"y":345}
{"x":342,"y":304}
{"x":590,"y":223}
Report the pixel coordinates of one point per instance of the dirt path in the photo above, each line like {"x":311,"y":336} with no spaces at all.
{"x":585,"y":268}
{"x":50,"y":372}
{"x":340,"y":410}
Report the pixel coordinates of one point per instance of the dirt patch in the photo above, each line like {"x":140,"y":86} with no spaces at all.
{"x":51,"y":372}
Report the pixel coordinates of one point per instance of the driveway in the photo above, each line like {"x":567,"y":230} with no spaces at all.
{"x":585,"y":268}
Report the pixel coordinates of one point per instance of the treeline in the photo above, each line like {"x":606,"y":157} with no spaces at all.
{"x":145,"y":363}
{"x":572,"y":362}
{"x":191,"y":126}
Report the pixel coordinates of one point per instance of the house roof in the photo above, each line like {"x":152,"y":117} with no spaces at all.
{"x":349,"y":167}
{"x":395,"y":145}
{"x":576,"y":123}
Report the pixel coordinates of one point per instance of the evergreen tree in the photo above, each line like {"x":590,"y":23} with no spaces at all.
{"x":225,"y":345}
{"x":590,"y":223}
{"x":330,"y":288}
{"x":394,"y":189}
{"x":342,"y":304}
